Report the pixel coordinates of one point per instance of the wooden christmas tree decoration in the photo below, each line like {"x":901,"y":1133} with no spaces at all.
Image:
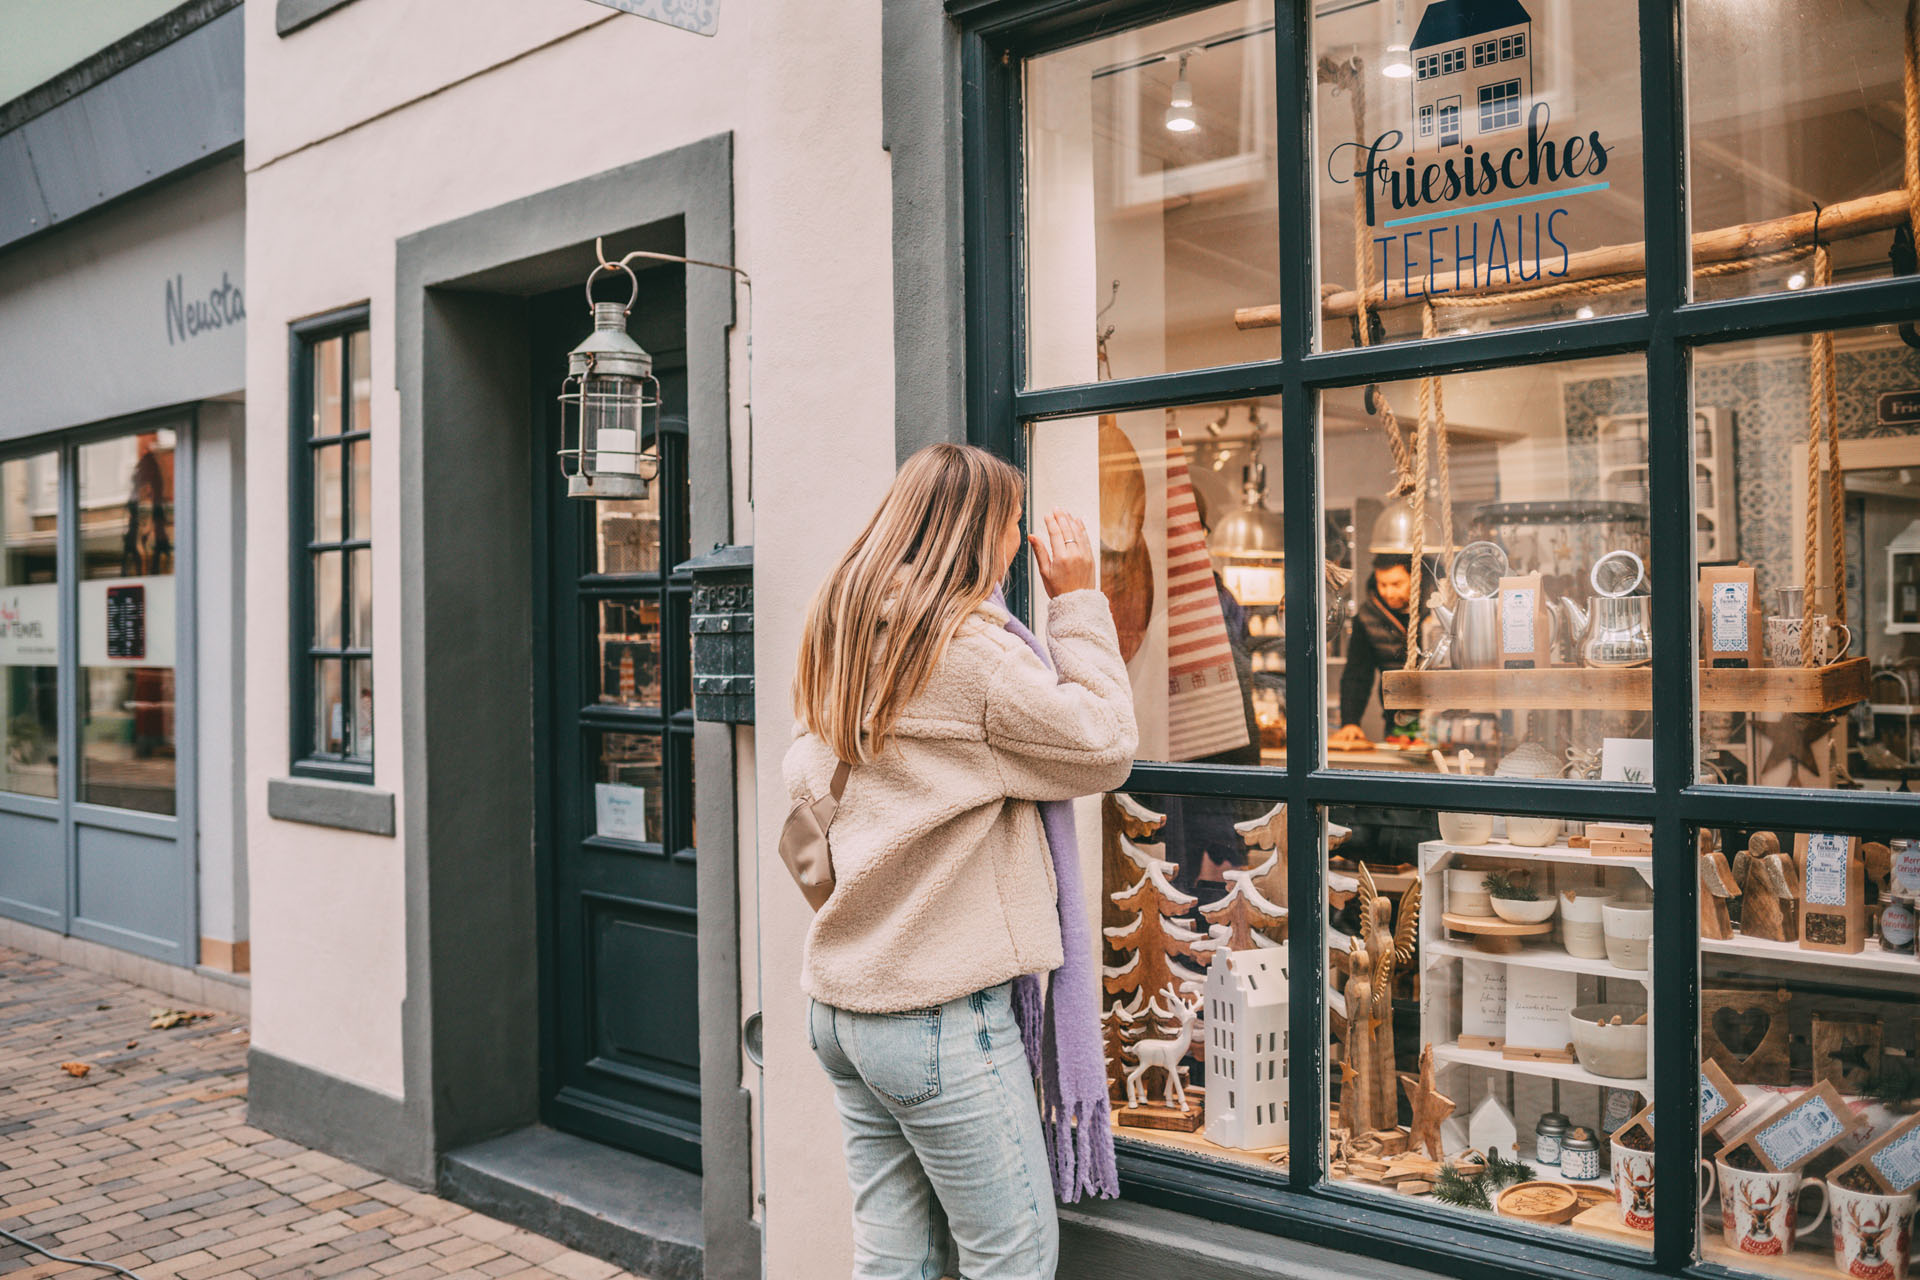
{"x":1269,"y":831}
{"x":1157,"y":941}
{"x":1123,"y":1023}
{"x":1126,"y":823}
{"x":1248,"y":916}
{"x":1430,"y":1106}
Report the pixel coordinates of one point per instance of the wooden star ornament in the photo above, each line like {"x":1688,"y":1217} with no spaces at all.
{"x":1430,"y":1106}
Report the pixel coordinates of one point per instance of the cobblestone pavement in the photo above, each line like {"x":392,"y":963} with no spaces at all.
{"x":147,"y":1161}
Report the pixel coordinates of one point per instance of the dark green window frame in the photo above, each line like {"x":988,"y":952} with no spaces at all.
{"x":997,"y":36}
{"x":304,"y":337}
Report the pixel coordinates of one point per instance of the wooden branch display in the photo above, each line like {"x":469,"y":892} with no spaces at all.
{"x":1843,"y":220}
{"x":1762,"y":690}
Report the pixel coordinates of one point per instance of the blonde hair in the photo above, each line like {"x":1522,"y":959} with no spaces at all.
{"x":925,"y":561}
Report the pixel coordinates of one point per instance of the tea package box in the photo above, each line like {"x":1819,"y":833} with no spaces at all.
{"x":1815,"y":1121}
{"x":1730,"y":630}
{"x":1833,"y":892}
{"x":1891,"y":1161}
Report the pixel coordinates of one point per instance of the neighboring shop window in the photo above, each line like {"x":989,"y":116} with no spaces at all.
{"x":30,"y":625}
{"x":1449,"y":571}
{"x":333,"y":541}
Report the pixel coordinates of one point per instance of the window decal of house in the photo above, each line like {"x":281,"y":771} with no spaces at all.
{"x":1499,"y":34}
{"x":1246,"y":993}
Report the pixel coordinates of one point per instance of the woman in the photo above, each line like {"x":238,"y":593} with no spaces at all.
{"x":945,"y":887}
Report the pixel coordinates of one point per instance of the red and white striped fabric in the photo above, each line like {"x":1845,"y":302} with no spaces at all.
{"x":1205,"y":709}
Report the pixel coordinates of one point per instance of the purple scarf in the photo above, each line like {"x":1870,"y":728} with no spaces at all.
{"x":1061,"y":1030}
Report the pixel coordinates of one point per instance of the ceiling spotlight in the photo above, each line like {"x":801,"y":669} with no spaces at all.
{"x":1399,"y":63}
{"x":1180,"y":117}
{"x":1798,"y":280}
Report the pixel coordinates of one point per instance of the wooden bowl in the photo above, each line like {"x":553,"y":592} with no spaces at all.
{"x":1549,"y":1202}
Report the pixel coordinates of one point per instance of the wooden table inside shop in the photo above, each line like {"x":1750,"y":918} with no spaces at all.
{"x":1760,"y":690}
{"x":1374,"y":759}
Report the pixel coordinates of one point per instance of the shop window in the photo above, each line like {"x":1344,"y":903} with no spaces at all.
{"x":1772,"y":140}
{"x":1499,"y":106}
{"x":1486,"y":51}
{"x":1489,"y":1011}
{"x":332,"y":524}
{"x":1152,"y":222}
{"x":1808,"y":1075}
{"x":1810,"y":626}
{"x":1525,"y":218}
{"x":1428,"y":66}
{"x":1192,"y":564}
{"x":1527,"y":654}
{"x":1426,"y":121}
{"x":30,"y":625}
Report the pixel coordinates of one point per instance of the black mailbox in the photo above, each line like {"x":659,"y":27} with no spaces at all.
{"x":722,"y":634}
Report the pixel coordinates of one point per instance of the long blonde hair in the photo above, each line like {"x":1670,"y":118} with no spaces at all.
{"x":925,"y":561}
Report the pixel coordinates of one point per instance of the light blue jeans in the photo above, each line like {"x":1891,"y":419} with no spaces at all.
{"x":943,"y":1137}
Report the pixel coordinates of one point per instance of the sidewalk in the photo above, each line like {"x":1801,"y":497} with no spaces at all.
{"x":146,"y":1161}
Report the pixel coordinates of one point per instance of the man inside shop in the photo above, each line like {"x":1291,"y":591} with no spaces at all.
{"x":1376,"y":643}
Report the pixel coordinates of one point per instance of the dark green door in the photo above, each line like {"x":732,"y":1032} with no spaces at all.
{"x":621,"y":1059}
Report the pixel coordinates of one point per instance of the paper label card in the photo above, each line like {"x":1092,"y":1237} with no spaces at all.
{"x":1826,"y":874}
{"x":1538,"y":1001}
{"x":1713,"y":1103}
{"x":1899,"y":1161}
{"x":1483,"y":998}
{"x":1516,"y":621}
{"x":1720,"y":1098}
{"x":1730,"y":617}
{"x":620,"y":811}
{"x":1808,"y":1127}
{"x":1906,"y":867}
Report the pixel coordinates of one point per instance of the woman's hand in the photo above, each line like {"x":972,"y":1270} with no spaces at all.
{"x":1065,"y":555}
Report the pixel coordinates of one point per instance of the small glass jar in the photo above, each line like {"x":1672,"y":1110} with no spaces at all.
{"x":1579,"y":1154}
{"x":1897,"y":928}
{"x":1547,"y":1136}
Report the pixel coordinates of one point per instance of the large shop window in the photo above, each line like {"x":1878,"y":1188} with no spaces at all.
{"x":29,"y":625}
{"x":332,"y":522}
{"x":1514,"y":540}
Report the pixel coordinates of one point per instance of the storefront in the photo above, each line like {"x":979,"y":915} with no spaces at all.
{"x":122,"y":322}
{"x":1501,"y":420}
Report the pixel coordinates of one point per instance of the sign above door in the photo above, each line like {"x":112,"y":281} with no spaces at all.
{"x":702,"y":17}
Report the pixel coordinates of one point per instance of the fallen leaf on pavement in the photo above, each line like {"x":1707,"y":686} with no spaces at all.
{"x":166,"y":1018}
{"x":75,"y":1068}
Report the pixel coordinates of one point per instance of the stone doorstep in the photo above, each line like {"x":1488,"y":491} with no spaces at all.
{"x":636,"y":1213}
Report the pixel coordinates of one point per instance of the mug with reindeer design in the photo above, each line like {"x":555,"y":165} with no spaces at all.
{"x":1872,"y":1233}
{"x":1760,"y":1211}
{"x":1633,"y":1186}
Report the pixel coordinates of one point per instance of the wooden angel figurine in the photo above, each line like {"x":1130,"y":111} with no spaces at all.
{"x":1717,"y":888}
{"x":1392,"y":949}
{"x":1768,"y":884}
{"x":1359,"y":1096}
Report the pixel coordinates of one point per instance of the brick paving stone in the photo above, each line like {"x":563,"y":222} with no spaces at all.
{"x":148,"y":1162}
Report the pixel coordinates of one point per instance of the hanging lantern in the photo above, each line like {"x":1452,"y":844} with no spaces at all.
{"x":1249,"y":545}
{"x":609,"y":405}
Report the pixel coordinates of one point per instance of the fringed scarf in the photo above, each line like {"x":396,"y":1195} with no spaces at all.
{"x":1061,"y":1028}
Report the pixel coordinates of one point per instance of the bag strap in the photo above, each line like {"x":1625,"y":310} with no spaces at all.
{"x":840,"y":779}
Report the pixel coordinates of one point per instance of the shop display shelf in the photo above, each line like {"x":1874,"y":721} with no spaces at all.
{"x":1871,"y":960}
{"x":1540,"y":958}
{"x":1435,"y":854}
{"x":1491,"y":1060}
{"x":1762,"y":690}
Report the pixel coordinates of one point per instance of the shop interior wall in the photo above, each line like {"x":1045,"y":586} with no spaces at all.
{"x":220,"y":605}
{"x":501,"y":79}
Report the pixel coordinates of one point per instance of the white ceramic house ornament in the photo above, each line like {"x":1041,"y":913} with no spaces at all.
{"x":1246,"y":1019}
{"x":1491,"y":1127}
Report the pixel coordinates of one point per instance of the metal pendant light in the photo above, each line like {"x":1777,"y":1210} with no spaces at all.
{"x":609,"y":405}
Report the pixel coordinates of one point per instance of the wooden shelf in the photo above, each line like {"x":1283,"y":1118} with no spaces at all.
{"x":1435,"y":854}
{"x":1491,"y":1060}
{"x":1871,"y":960}
{"x":1762,"y":690}
{"x":1542,"y":958}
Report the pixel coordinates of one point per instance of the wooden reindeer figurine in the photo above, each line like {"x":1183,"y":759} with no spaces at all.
{"x":1165,"y":1054}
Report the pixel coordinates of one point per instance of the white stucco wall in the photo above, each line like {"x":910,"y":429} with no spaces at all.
{"x":485,"y":101}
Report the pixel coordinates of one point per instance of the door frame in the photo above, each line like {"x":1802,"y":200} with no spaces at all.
{"x":178,"y":829}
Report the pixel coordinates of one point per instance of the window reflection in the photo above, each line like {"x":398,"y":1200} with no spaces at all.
{"x":629,"y":644}
{"x":627,"y":784}
{"x":29,"y":626}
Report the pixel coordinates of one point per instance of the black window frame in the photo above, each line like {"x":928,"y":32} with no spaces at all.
{"x":304,"y":337}
{"x":996,"y":38}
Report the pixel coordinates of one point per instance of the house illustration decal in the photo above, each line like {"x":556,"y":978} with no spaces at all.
{"x":1246,"y":1033}
{"x":1473,"y":70}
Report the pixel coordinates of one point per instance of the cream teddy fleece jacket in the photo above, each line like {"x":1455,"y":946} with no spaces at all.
{"x":943,"y":884}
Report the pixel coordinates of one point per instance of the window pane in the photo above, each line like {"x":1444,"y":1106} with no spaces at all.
{"x":1531,"y":648}
{"x":361,"y":566}
{"x":1504,"y":1010}
{"x":627,"y":534}
{"x":362,"y":490}
{"x":1807,"y":979}
{"x":1802,"y":685}
{"x":127,"y":622}
{"x":326,"y":599}
{"x":1194,"y":993}
{"x":126,"y":737}
{"x":1152,"y":198}
{"x":361,"y":358}
{"x":360,"y":680}
{"x":327,"y":494}
{"x":329,"y":713}
{"x":629,"y":649}
{"x":29,"y":625}
{"x":1778,"y":128}
{"x":1502,"y":188}
{"x":326,"y":387}
{"x":627,"y":785}
{"x":1190,"y":562}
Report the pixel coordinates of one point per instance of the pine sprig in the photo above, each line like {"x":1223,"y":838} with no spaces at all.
{"x":1451,"y":1186}
{"x":1499,"y":884}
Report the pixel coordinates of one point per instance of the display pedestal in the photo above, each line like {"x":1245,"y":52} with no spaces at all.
{"x":1157,"y":1115}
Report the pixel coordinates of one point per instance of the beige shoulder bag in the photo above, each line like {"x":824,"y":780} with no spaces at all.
{"x":803,"y":841}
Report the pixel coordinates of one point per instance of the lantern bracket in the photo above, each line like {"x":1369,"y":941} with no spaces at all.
{"x":610,"y":268}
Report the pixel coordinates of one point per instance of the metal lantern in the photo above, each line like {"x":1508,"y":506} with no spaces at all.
{"x":1250,"y":544}
{"x":609,"y":405}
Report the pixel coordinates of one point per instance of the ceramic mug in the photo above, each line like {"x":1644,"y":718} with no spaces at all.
{"x":1783,"y":640}
{"x":1633,"y":1186}
{"x":1581,"y":930}
{"x":1465,"y":828}
{"x":1628,"y":930}
{"x":1872,"y":1233}
{"x":1760,"y":1211}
